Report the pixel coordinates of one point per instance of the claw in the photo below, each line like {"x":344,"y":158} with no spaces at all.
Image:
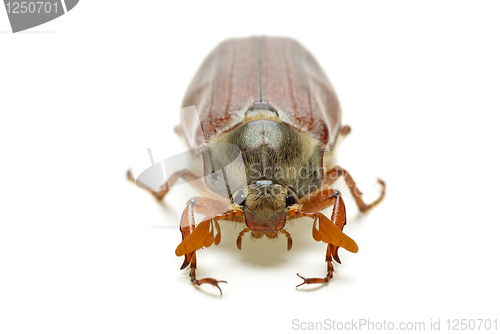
{"x":211,"y":281}
{"x":312,"y":281}
{"x":305,"y":281}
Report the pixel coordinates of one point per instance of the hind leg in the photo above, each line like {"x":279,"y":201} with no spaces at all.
{"x":185,"y":174}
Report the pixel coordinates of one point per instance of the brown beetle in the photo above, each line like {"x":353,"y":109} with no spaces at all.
{"x":267,"y":100}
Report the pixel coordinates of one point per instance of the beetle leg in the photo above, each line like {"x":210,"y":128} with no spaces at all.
{"x":322,"y":200}
{"x":240,"y":236}
{"x":339,"y":220}
{"x":210,"y":207}
{"x":203,"y":234}
{"x":336,"y":172}
{"x":319,"y":200}
{"x":198,"y":282}
{"x":206,"y":206}
{"x":329,"y":273}
{"x":185,"y":174}
{"x":289,"y":239}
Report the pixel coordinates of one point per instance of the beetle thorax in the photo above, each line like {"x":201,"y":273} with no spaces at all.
{"x":281,"y":165}
{"x":273,"y":150}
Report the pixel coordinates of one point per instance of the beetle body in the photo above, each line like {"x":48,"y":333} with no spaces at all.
{"x":269,"y":99}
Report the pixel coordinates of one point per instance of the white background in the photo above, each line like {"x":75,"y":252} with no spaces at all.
{"x":81,"y":98}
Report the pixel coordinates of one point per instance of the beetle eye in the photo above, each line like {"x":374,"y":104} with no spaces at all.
{"x":290,"y":200}
{"x":239,"y":198}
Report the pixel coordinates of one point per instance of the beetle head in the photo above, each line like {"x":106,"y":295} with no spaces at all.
{"x":265,"y":204}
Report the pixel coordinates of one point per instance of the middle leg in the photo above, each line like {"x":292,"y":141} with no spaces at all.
{"x":336,"y":172}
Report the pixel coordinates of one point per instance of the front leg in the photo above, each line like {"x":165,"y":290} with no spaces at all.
{"x":329,"y":272}
{"x":198,"y":282}
{"x":339,"y":220}
{"x":207,"y":206}
{"x":203,"y":235}
{"x":210,"y":208}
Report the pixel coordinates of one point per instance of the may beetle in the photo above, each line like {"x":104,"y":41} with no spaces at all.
{"x":267,"y":101}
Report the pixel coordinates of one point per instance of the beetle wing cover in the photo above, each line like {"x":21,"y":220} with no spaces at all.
{"x":296,"y":86}
{"x":225,"y":86}
{"x":273,"y":70}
